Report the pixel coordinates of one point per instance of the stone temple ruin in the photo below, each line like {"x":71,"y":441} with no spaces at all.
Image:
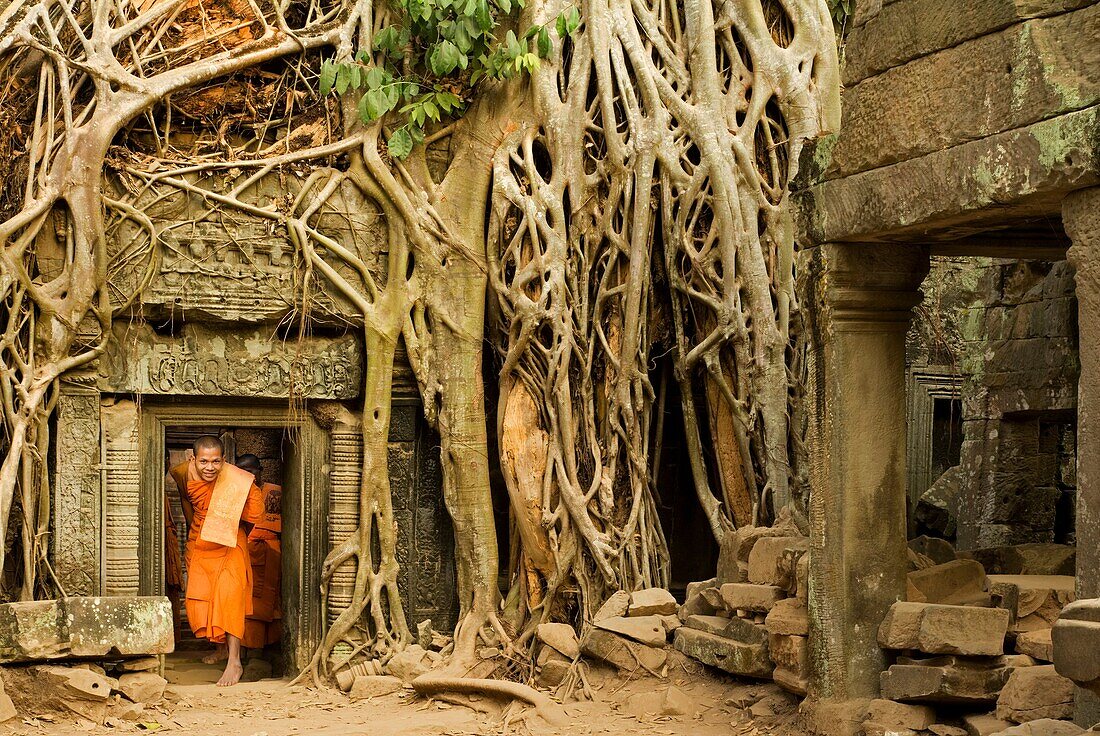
{"x":952,"y":231}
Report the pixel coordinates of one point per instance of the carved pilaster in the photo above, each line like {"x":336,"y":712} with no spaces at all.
{"x":78,"y":497}
{"x":346,"y":453}
{"x":864,"y":296}
{"x":122,"y":498}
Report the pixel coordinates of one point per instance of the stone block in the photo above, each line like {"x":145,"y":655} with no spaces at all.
{"x":7,"y":708}
{"x":408,"y":664}
{"x":984,"y":724}
{"x":765,"y":556}
{"x":802,"y":576}
{"x":936,"y":549}
{"x":750,"y":660}
{"x":1075,"y":640}
{"x":1038,"y":644}
{"x":711,"y":624}
{"x":788,"y":616}
{"x":372,"y":686}
{"x":142,"y":687}
{"x":791,"y":681}
{"x":790,"y":653}
{"x":78,"y":683}
{"x":648,"y":630}
{"x":561,"y":637}
{"x":141,"y":664}
{"x":1043,"y":727}
{"x":787,"y":568}
{"x":729,"y":571}
{"x":552,"y":673}
{"x":958,"y":582}
{"x":615,"y":605}
{"x":939,"y":629}
{"x":1032,"y":693}
{"x":749,"y":597}
{"x":746,"y":631}
{"x":85,"y":627}
{"x":696,"y":604}
{"x":652,"y":602}
{"x":620,"y":652}
{"x":900,"y":715}
{"x":1042,"y":594}
{"x":950,"y":680}
{"x":1026,"y":559}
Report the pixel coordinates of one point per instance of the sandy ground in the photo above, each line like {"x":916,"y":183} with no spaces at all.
{"x":194,"y":705}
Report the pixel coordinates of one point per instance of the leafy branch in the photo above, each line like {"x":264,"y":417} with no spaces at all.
{"x":425,"y":67}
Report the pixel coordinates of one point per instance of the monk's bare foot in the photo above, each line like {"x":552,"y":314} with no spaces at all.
{"x":232,"y":674}
{"x":218,"y":655}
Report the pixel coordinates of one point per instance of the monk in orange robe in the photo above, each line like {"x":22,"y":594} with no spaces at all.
{"x":221,"y":503}
{"x":264,"y":625}
{"x":173,"y":567}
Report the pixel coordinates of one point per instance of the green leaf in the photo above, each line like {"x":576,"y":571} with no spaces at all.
{"x":365,"y":113}
{"x":544,"y":44}
{"x":374,"y":77}
{"x":343,"y":78}
{"x":514,"y":47}
{"x":444,"y":57}
{"x":356,"y":74}
{"x":560,"y":27}
{"x":572,"y":20}
{"x":328,"y":76}
{"x":400,"y":143}
{"x":431,"y":110}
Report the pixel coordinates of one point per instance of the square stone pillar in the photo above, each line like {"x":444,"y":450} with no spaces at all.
{"x":1081,"y":219}
{"x":864,"y":296}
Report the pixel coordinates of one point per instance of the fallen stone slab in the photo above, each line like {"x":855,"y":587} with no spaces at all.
{"x":958,"y":582}
{"x":140,"y":664}
{"x":787,"y":568}
{"x":949,"y":680}
{"x":372,"y":686}
{"x":552,"y":673}
{"x":940,"y":629}
{"x":790,"y":653}
{"x":85,"y":627}
{"x":984,"y":724}
{"x":765,"y":556}
{"x":788,"y":616}
{"x":711,"y":624}
{"x":78,"y":683}
{"x":1045,"y":595}
{"x":747,"y":631}
{"x":936,"y":549}
{"x":1032,"y":693}
{"x":628,"y":656}
{"x":142,"y":687}
{"x":1026,"y":559}
{"x":671,"y":701}
{"x":791,"y":681}
{"x":750,"y":660}
{"x":648,"y":630}
{"x":615,"y":605}
{"x":750,"y":597}
{"x":561,"y":637}
{"x":900,"y":715}
{"x":652,"y":602}
{"x":1075,"y":641}
{"x":1037,"y":644}
{"x":1043,"y":727}
{"x":7,"y":708}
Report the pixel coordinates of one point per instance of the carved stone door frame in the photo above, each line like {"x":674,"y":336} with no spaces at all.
{"x":305,"y":499}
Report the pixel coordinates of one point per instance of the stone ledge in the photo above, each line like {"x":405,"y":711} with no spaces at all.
{"x":85,"y":627}
{"x":1022,"y":173}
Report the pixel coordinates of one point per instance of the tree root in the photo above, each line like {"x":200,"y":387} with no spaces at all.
{"x":547,"y":709}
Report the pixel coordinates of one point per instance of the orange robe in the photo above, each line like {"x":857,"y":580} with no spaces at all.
{"x":219,"y":578}
{"x":263,"y":625}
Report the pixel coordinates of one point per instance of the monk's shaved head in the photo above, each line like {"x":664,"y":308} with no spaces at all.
{"x":249,"y":462}
{"x":208,"y":442}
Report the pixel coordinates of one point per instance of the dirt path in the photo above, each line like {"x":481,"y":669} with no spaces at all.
{"x":193,"y":705}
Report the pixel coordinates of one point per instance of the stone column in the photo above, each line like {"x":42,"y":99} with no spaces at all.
{"x":1081,"y":219}
{"x":865,"y":294}
{"x":78,"y":492}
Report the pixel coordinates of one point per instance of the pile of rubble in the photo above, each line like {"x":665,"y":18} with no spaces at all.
{"x":975,"y":647}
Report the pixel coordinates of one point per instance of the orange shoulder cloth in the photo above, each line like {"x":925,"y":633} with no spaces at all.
{"x":223,"y":517}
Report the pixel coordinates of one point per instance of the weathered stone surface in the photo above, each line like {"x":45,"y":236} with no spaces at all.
{"x":938,"y":629}
{"x":649,"y":630}
{"x":81,"y":684}
{"x":7,"y":708}
{"x":615,"y":605}
{"x":85,"y":627}
{"x":552,"y":673}
{"x":765,"y":556}
{"x":1076,"y":643}
{"x":1019,"y":173}
{"x":627,"y":655}
{"x":561,"y":637}
{"x":1032,"y":693}
{"x":984,"y":724}
{"x":652,"y":602}
{"x":1043,"y":727}
{"x":711,"y":624}
{"x":371,"y":686}
{"x":1037,"y":644}
{"x":909,"y":29}
{"x":671,"y":701}
{"x":732,"y":656}
{"x":408,"y":664}
{"x":1044,"y":594}
{"x":802,"y":576}
{"x":934,"y":548}
{"x":946,"y":680}
{"x":141,"y":664}
{"x":788,"y":566}
{"x":671,"y":623}
{"x":958,"y":582}
{"x":729,"y":571}
{"x":790,"y":653}
{"x":788,"y":616}
{"x":900,"y":715}
{"x":696,"y":604}
{"x":1024,"y":74}
{"x":1026,"y":559}
{"x":749,"y":597}
{"x":791,"y":681}
{"x":142,"y":687}
{"x":738,"y":629}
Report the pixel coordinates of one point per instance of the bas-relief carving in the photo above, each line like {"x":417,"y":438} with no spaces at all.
{"x":212,"y":362}
{"x":77,"y":496}
{"x":244,"y":268}
{"x":122,"y":568}
{"x":425,"y":548}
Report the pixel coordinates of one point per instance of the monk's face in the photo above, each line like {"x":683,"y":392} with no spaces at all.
{"x":209,"y":463}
